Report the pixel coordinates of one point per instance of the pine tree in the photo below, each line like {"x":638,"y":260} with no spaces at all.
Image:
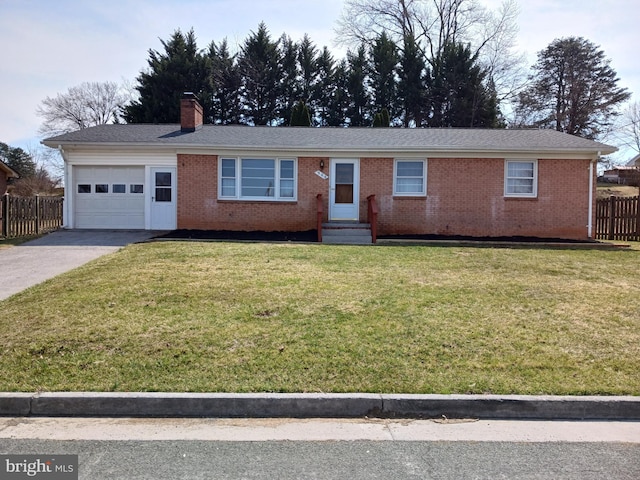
{"x":358,"y":111}
{"x":18,"y":160}
{"x":381,"y":119}
{"x":307,"y":62}
{"x":458,"y":95}
{"x":289,"y":84}
{"x":181,"y":68}
{"x":226,"y":83}
{"x":300,"y":116}
{"x":338,"y":102}
{"x":412,"y":90}
{"x":261,"y":71}
{"x":324,"y":91}
{"x":382,"y":73}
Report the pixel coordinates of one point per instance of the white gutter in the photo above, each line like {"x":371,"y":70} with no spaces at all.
{"x":590,"y":220}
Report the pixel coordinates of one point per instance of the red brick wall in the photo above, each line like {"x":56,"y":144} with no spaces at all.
{"x":464,"y":197}
{"x":199,"y":207}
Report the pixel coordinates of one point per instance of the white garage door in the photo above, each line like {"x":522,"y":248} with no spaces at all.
{"x":108,"y":197}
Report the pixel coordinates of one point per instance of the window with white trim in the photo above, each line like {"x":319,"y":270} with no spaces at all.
{"x":410,"y":177}
{"x":257,"y":179}
{"x":521,"y":178}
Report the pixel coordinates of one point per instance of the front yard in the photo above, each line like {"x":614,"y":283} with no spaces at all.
{"x":251,"y":317}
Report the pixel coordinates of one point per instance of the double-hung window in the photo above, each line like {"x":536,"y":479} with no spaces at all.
{"x":410,"y":177}
{"x":521,"y":178}
{"x":257,"y":179}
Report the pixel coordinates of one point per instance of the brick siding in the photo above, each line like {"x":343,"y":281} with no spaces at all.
{"x":464,"y":197}
{"x":199,"y":207}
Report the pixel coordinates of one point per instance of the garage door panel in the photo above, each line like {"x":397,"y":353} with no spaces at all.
{"x":109,"y":209}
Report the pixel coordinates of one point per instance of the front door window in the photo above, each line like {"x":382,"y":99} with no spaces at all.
{"x":344,"y":183}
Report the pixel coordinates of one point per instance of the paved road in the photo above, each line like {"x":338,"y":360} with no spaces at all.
{"x":331,"y":449}
{"x":58,"y":252}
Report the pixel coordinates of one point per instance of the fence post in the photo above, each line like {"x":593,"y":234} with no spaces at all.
{"x":4,"y":204}
{"x":38,"y":215}
{"x":637,"y":239}
{"x":612,"y":217}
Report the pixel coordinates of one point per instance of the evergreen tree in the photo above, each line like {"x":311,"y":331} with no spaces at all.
{"x":307,"y":61}
{"x":261,"y":71}
{"x":300,"y":116}
{"x":381,"y":119}
{"x":179,"y":69}
{"x":573,"y":89}
{"x":226,"y":82}
{"x":458,"y":95}
{"x":412,"y":91}
{"x":324,"y":90}
{"x":18,"y":160}
{"x":289,"y":84}
{"x":382,"y":73}
{"x":358,"y":111}
{"x":338,"y":106}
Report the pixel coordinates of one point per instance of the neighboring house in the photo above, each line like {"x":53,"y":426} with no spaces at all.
{"x":634,"y":162}
{"x":621,"y":175}
{"x":6,"y":173}
{"x":471,"y":182}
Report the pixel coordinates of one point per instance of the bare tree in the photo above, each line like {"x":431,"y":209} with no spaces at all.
{"x":630,"y":128}
{"x":437,"y":23}
{"x":82,"y":106}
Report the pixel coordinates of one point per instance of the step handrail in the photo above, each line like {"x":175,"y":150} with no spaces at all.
{"x":319,"y":212}
{"x":372,"y":207}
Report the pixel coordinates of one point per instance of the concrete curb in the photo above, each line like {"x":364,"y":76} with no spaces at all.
{"x":314,"y":405}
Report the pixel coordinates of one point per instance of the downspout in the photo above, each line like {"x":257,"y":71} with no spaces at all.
{"x":590,"y":221}
{"x":67,"y":190}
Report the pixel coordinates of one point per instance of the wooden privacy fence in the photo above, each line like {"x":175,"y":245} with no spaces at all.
{"x":618,"y":218}
{"x":21,"y":216}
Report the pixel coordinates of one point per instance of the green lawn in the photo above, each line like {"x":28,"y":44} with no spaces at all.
{"x":250,"y":317}
{"x":12,"y":242}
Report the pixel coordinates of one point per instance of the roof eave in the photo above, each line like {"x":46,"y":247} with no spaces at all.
{"x":11,"y":173}
{"x":440,"y":151}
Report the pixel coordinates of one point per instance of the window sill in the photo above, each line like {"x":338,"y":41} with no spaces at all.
{"x":521,"y":198}
{"x":409,"y":197}
{"x":241,"y":200}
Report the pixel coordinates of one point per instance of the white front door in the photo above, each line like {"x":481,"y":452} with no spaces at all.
{"x":163,"y":198}
{"x":345,"y":187}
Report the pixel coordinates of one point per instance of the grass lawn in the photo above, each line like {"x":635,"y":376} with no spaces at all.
{"x":605,"y":190}
{"x":251,"y":317}
{"x":12,"y":242}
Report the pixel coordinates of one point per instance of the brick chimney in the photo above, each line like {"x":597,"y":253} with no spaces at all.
{"x":190,"y":113}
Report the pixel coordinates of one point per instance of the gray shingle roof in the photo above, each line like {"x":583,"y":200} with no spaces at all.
{"x":333,"y":139}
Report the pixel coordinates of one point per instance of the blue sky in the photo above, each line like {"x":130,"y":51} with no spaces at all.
{"x":48,"y":46}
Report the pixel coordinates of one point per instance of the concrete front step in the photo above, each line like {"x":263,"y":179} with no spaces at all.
{"x":347,"y":233}
{"x":342,"y":225}
{"x":346,"y":240}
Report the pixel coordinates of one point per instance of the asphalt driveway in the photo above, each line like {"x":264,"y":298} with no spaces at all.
{"x":38,"y":260}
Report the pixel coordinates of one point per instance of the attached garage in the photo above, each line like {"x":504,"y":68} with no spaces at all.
{"x":109,"y":197}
